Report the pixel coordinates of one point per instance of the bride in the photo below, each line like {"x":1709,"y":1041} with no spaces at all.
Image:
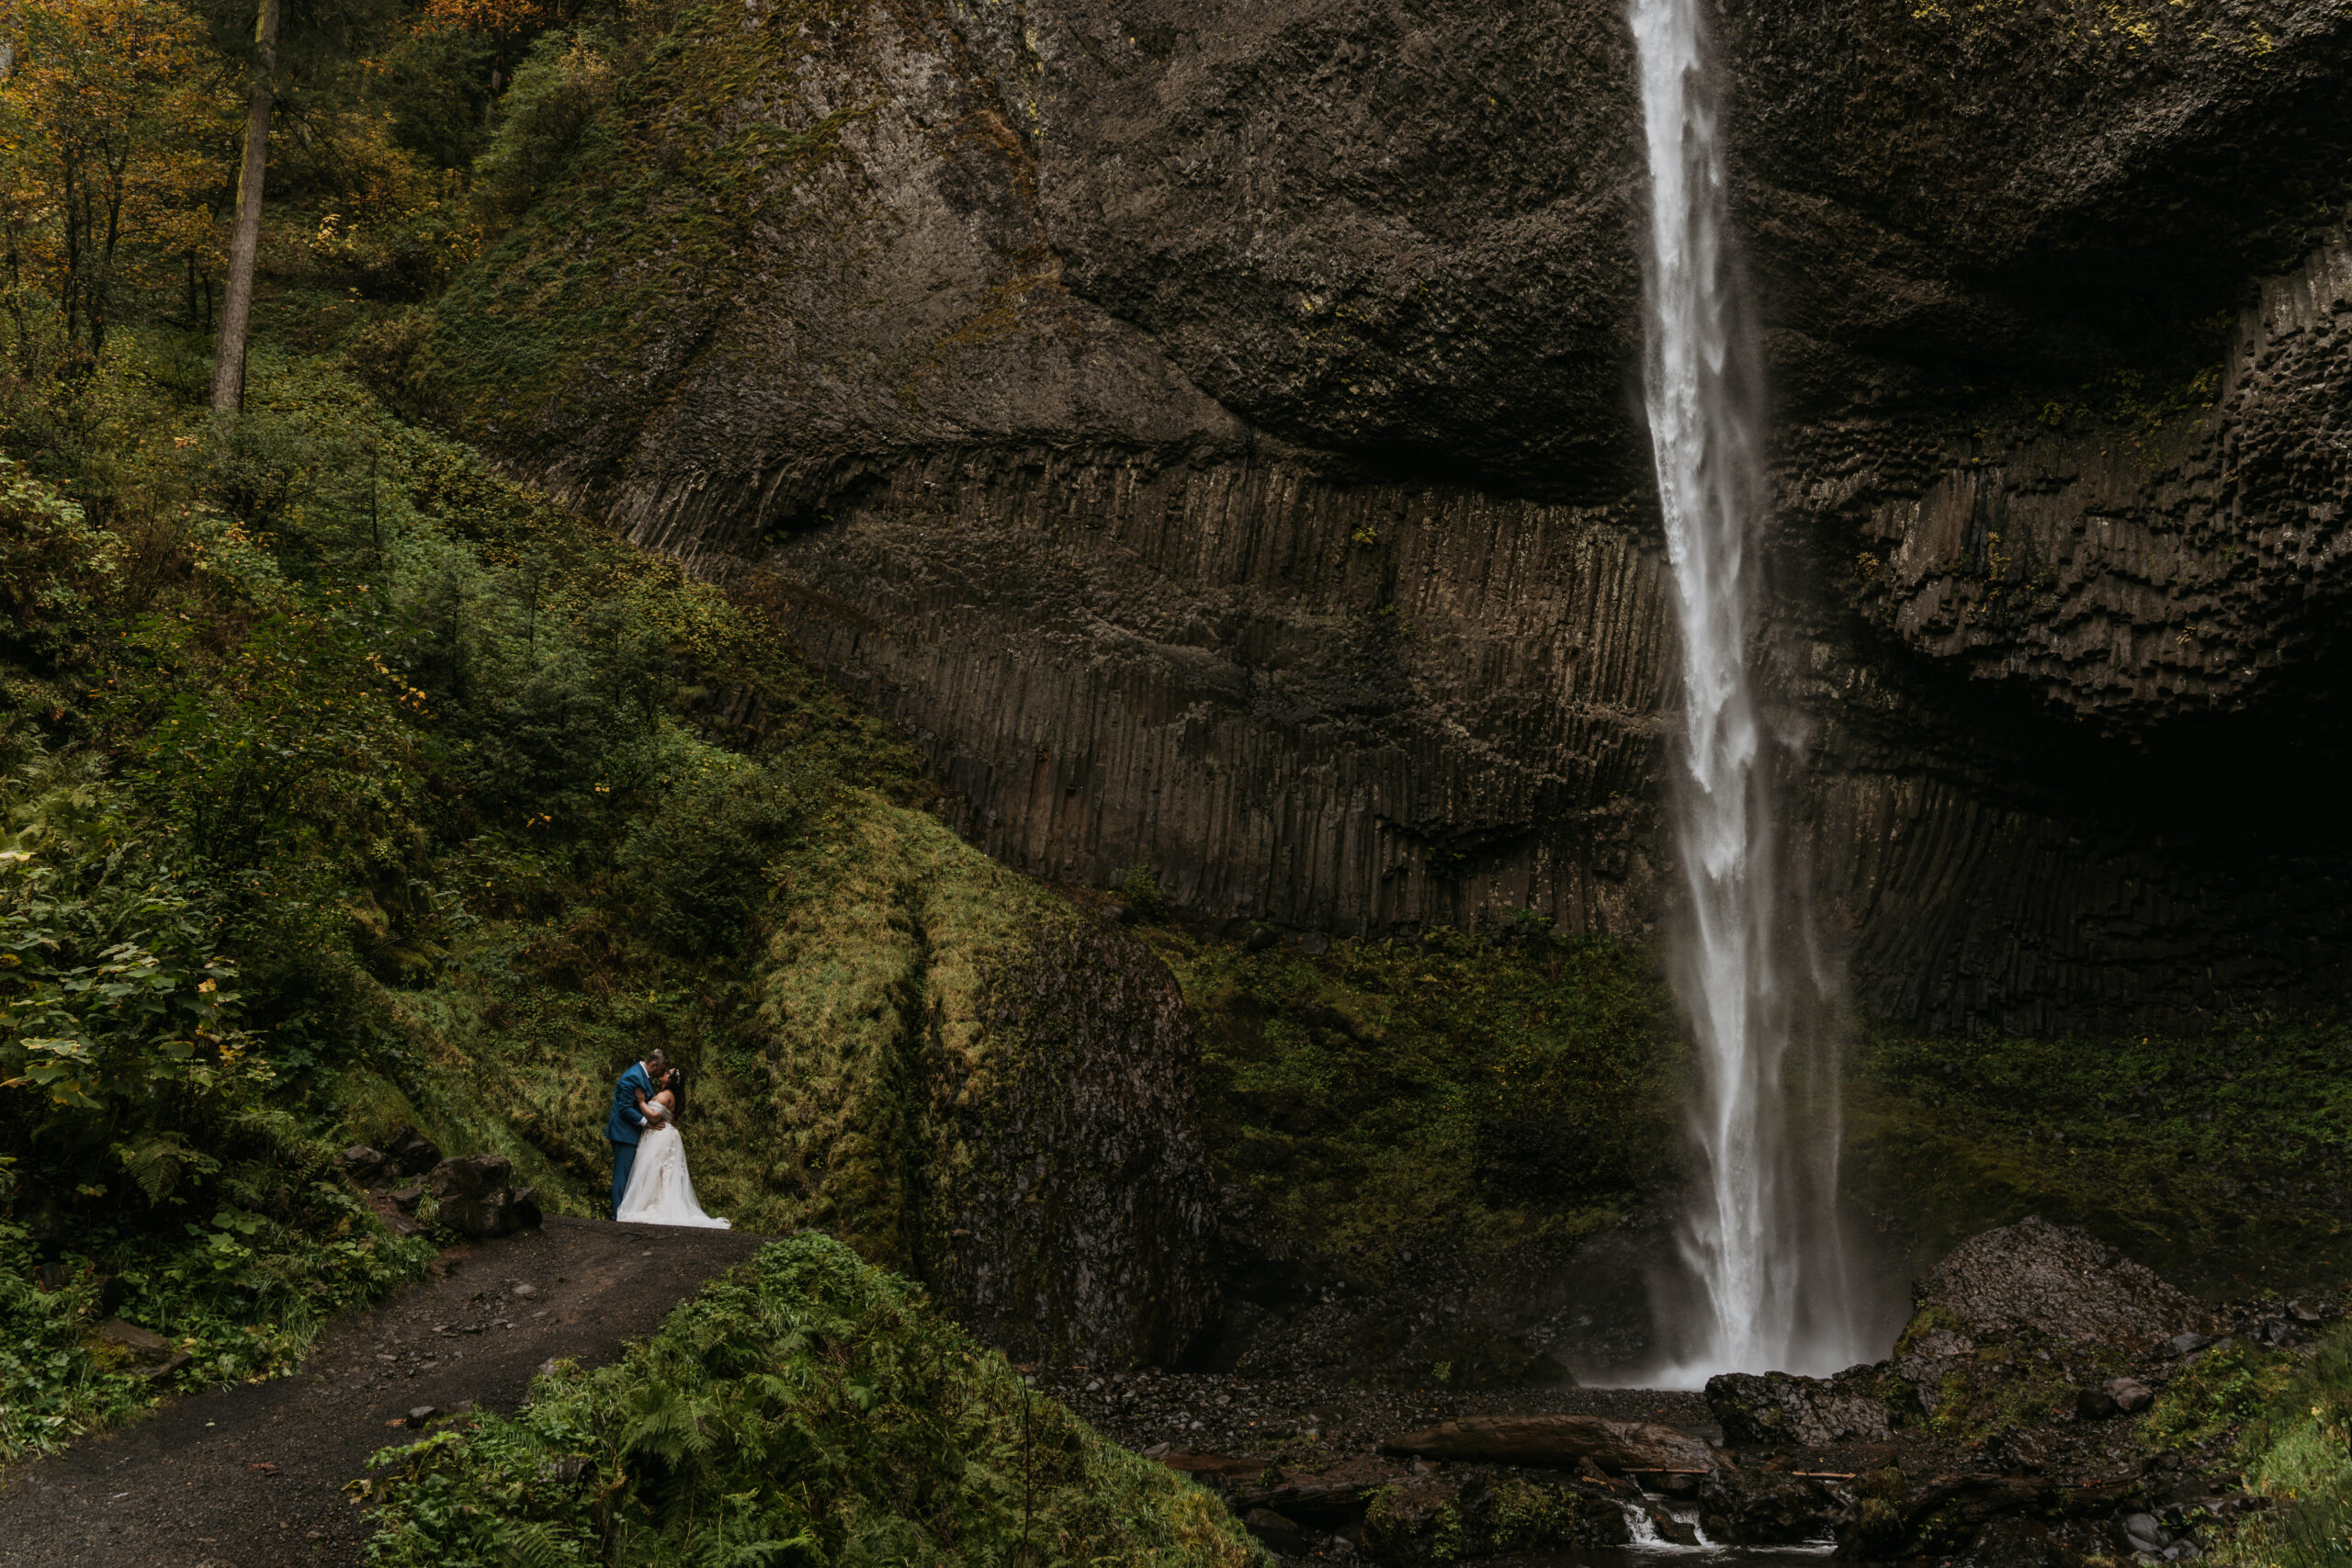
{"x":660,"y":1192}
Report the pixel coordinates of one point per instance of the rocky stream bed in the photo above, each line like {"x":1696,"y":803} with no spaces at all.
{"x":2011,"y":1425}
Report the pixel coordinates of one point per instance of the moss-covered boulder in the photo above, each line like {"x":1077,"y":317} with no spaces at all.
{"x":1448,"y":1516}
{"x":967,"y":1079}
{"x":807,"y":1408}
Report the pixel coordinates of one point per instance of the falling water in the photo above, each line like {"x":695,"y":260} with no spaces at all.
{"x":1749,"y":1235}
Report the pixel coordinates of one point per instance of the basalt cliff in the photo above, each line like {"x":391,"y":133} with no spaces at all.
{"x":1208,"y":427}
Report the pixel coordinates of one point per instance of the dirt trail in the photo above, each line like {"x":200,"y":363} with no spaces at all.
{"x":253,"y":1477}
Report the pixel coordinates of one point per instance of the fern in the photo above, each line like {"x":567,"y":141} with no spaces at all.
{"x":526,"y":1543}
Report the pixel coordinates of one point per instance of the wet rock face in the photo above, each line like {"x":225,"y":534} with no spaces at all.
{"x":2185,"y":566}
{"x":1210,"y":430}
{"x":1354,"y":706}
{"x":1080,"y":1208}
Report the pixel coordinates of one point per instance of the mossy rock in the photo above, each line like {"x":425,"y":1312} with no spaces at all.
{"x":969,"y":1079}
{"x":1860,"y":1405}
{"x":1431,"y":1520}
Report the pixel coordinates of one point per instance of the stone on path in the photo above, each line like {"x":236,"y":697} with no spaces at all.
{"x":478,"y":1196}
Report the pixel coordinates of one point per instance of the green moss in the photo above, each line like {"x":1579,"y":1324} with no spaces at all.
{"x":1525,"y":1517}
{"x":1388,"y":1089}
{"x":644,"y":238}
{"x":806,"y":1407}
{"x":2221,"y":1162}
{"x":2218,"y":1394}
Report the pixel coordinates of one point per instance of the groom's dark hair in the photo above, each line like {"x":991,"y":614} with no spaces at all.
{"x":654,"y":1055}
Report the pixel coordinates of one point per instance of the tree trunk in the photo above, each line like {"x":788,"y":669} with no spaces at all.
{"x":244,"y":244}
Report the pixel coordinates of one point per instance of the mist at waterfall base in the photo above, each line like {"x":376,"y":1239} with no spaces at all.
{"x":1766,"y":1281}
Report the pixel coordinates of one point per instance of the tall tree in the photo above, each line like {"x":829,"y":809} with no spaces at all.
{"x":104,"y":119}
{"x":244,"y":243}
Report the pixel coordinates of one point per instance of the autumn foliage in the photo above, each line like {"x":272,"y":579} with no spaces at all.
{"x":114,"y":127}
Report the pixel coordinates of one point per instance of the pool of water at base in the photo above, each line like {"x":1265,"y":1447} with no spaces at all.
{"x":1650,"y":1550}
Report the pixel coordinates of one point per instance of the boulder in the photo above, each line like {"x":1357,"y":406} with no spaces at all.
{"x":149,"y":1354}
{"x":369,"y":1167}
{"x":1902,"y":1516}
{"x":2131,"y":1396}
{"x":1860,"y":1405}
{"x":1930,"y":1351}
{"x":478,"y":1198}
{"x":2059,"y":1281}
{"x":1746,"y":1506}
{"x":413,"y":1152}
{"x":1285,"y":1536}
{"x":1560,"y":1442}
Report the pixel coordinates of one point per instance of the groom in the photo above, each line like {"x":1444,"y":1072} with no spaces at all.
{"x":627,"y":1124}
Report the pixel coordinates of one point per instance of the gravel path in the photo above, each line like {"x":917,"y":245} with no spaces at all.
{"x":253,"y":1477}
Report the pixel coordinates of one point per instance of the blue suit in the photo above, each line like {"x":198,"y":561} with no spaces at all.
{"x":625,"y":1126}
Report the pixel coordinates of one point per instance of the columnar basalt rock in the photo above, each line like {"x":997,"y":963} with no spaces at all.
{"x":2189,"y":564}
{"x":1356,"y":705}
{"x":1209,"y":430}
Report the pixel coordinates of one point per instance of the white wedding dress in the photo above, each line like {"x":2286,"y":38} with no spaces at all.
{"x":659,"y":1192}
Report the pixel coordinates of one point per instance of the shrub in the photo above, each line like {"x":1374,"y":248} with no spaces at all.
{"x":808,"y":1407}
{"x":1143,"y":893}
{"x":697,"y":862}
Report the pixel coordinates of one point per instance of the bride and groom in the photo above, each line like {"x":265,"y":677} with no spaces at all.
{"x":649,"y":1182}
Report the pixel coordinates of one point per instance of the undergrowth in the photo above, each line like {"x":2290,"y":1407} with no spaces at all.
{"x":806,"y":1409}
{"x":327,"y":758}
{"x":2287,"y":1415}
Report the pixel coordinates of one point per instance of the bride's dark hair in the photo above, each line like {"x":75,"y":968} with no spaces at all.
{"x":676,"y":1082}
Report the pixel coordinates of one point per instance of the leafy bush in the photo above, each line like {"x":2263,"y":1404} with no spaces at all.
{"x":54,"y":564}
{"x":1145,"y":896}
{"x":807,"y":1408}
{"x":142,"y":1146}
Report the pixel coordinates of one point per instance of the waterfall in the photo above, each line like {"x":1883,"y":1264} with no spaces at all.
{"x":1762,"y":1211}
